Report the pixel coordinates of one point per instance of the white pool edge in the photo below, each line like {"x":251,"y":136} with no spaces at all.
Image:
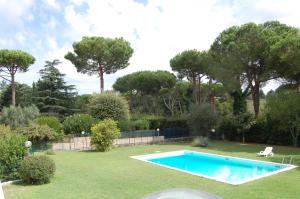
{"x":1,"y":191}
{"x":180,"y":152}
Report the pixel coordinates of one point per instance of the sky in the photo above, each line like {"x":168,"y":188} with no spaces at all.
{"x":156,"y":29}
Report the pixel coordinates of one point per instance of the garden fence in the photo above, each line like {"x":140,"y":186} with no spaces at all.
{"x":126,"y":138}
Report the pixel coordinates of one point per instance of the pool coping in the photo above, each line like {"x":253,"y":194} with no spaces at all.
{"x":179,"y":152}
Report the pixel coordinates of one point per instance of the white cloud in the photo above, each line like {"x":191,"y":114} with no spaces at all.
{"x":53,"y":4}
{"x":12,"y":11}
{"x":157,"y":30}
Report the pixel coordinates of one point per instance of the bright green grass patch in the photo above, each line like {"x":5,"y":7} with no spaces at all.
{"x":113,"y":175}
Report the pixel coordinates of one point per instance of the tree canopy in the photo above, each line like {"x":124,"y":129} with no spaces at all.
{"x":99,"y":55}
{"x":191,"y":64}
{"x":12,"y":61}
{"x":246,"y":53}
{"x":145,"y":82}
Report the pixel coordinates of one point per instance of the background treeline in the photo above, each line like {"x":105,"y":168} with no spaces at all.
{"x":215,"y":93}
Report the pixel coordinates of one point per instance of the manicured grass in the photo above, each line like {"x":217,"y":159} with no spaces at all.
{"x":114,"y":175}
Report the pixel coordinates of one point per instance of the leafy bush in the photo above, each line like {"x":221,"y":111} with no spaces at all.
{"x":141,"y":124}
{"x":38,"y":133}
{"x":125,"y":125}
{"x":53,"y":123}
{"x":284,"y":108}
{"x":156,"y":121}
{"x":77,"y":123}
{"x":201,"y":119}
{"x":18,"y":116}
{"x":104,"y":133}
{"x":4,"y":130}
{"x":12,"y":151}
{"x":228,"y":127}
{"x":50,"y":121}
{"x":37,"y":169}
{"x":108,"y":105}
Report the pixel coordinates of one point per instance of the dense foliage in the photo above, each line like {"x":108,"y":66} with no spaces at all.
{"x":77,"y":123}
{"x":50,"y":121}
{"x":37,"y":169}
{"x":4,"y":130}
{"x":12,"y":151}
{"x":108,"y":105}
{"x":51,"y":93}
{"x":38,"y":133}
{"x":202,"y":119}
{"x":104,"y":133}
{"x":284,"y":108}
{"x":18,"y":116}
{"x":23,"y":95}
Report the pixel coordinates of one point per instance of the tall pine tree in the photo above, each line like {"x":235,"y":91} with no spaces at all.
{"x":52,"y":94}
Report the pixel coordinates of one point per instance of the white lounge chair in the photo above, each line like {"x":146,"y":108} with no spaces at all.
{"x":267,"y":152}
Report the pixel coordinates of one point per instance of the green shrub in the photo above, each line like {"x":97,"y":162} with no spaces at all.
{"x":108,"y":105}
{"x":104,"y":133}
{"x":228,"y":127}
{"x":4,"y":130}
{"x":125,"y":125}
{"x":53,"y":123}
{"x":77,"y":123}
{"x":38,"y":133}
{"x":201,"y":119}
{"x":18,"y":116}
{"x":156,"y":121}
{"x":176,"y":122}
{"x":37,"y":169}
{"x":12,"y":151}
{"x":141,"y":124}
{"x":50,"y":121}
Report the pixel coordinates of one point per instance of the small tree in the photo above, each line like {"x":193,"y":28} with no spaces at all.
{"x":12,"y":61}
{"x":284,"y":108}
{"x":99,"y":55}
{"x":104,"y":133}
{"x":108,"y":105}
{"x":244,"y":121}
{"x":202,"y":119}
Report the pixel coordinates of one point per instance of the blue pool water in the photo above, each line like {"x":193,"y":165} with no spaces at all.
{"x":222,"y":168}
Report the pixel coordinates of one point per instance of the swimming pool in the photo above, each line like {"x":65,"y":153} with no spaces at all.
{"x":225,"y":169}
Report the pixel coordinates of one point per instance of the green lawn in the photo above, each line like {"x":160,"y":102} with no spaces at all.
{"x":114,"y":175}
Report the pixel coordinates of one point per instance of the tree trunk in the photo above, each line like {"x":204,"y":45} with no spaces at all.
{"x":13,"y":90}
{"x":195,"y":89}
{"x":101,"y":72}
{"x":255,"y":98}
{"x":199,"y":89}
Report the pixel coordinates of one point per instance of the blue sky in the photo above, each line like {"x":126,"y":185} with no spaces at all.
{"x":156,"y":29}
